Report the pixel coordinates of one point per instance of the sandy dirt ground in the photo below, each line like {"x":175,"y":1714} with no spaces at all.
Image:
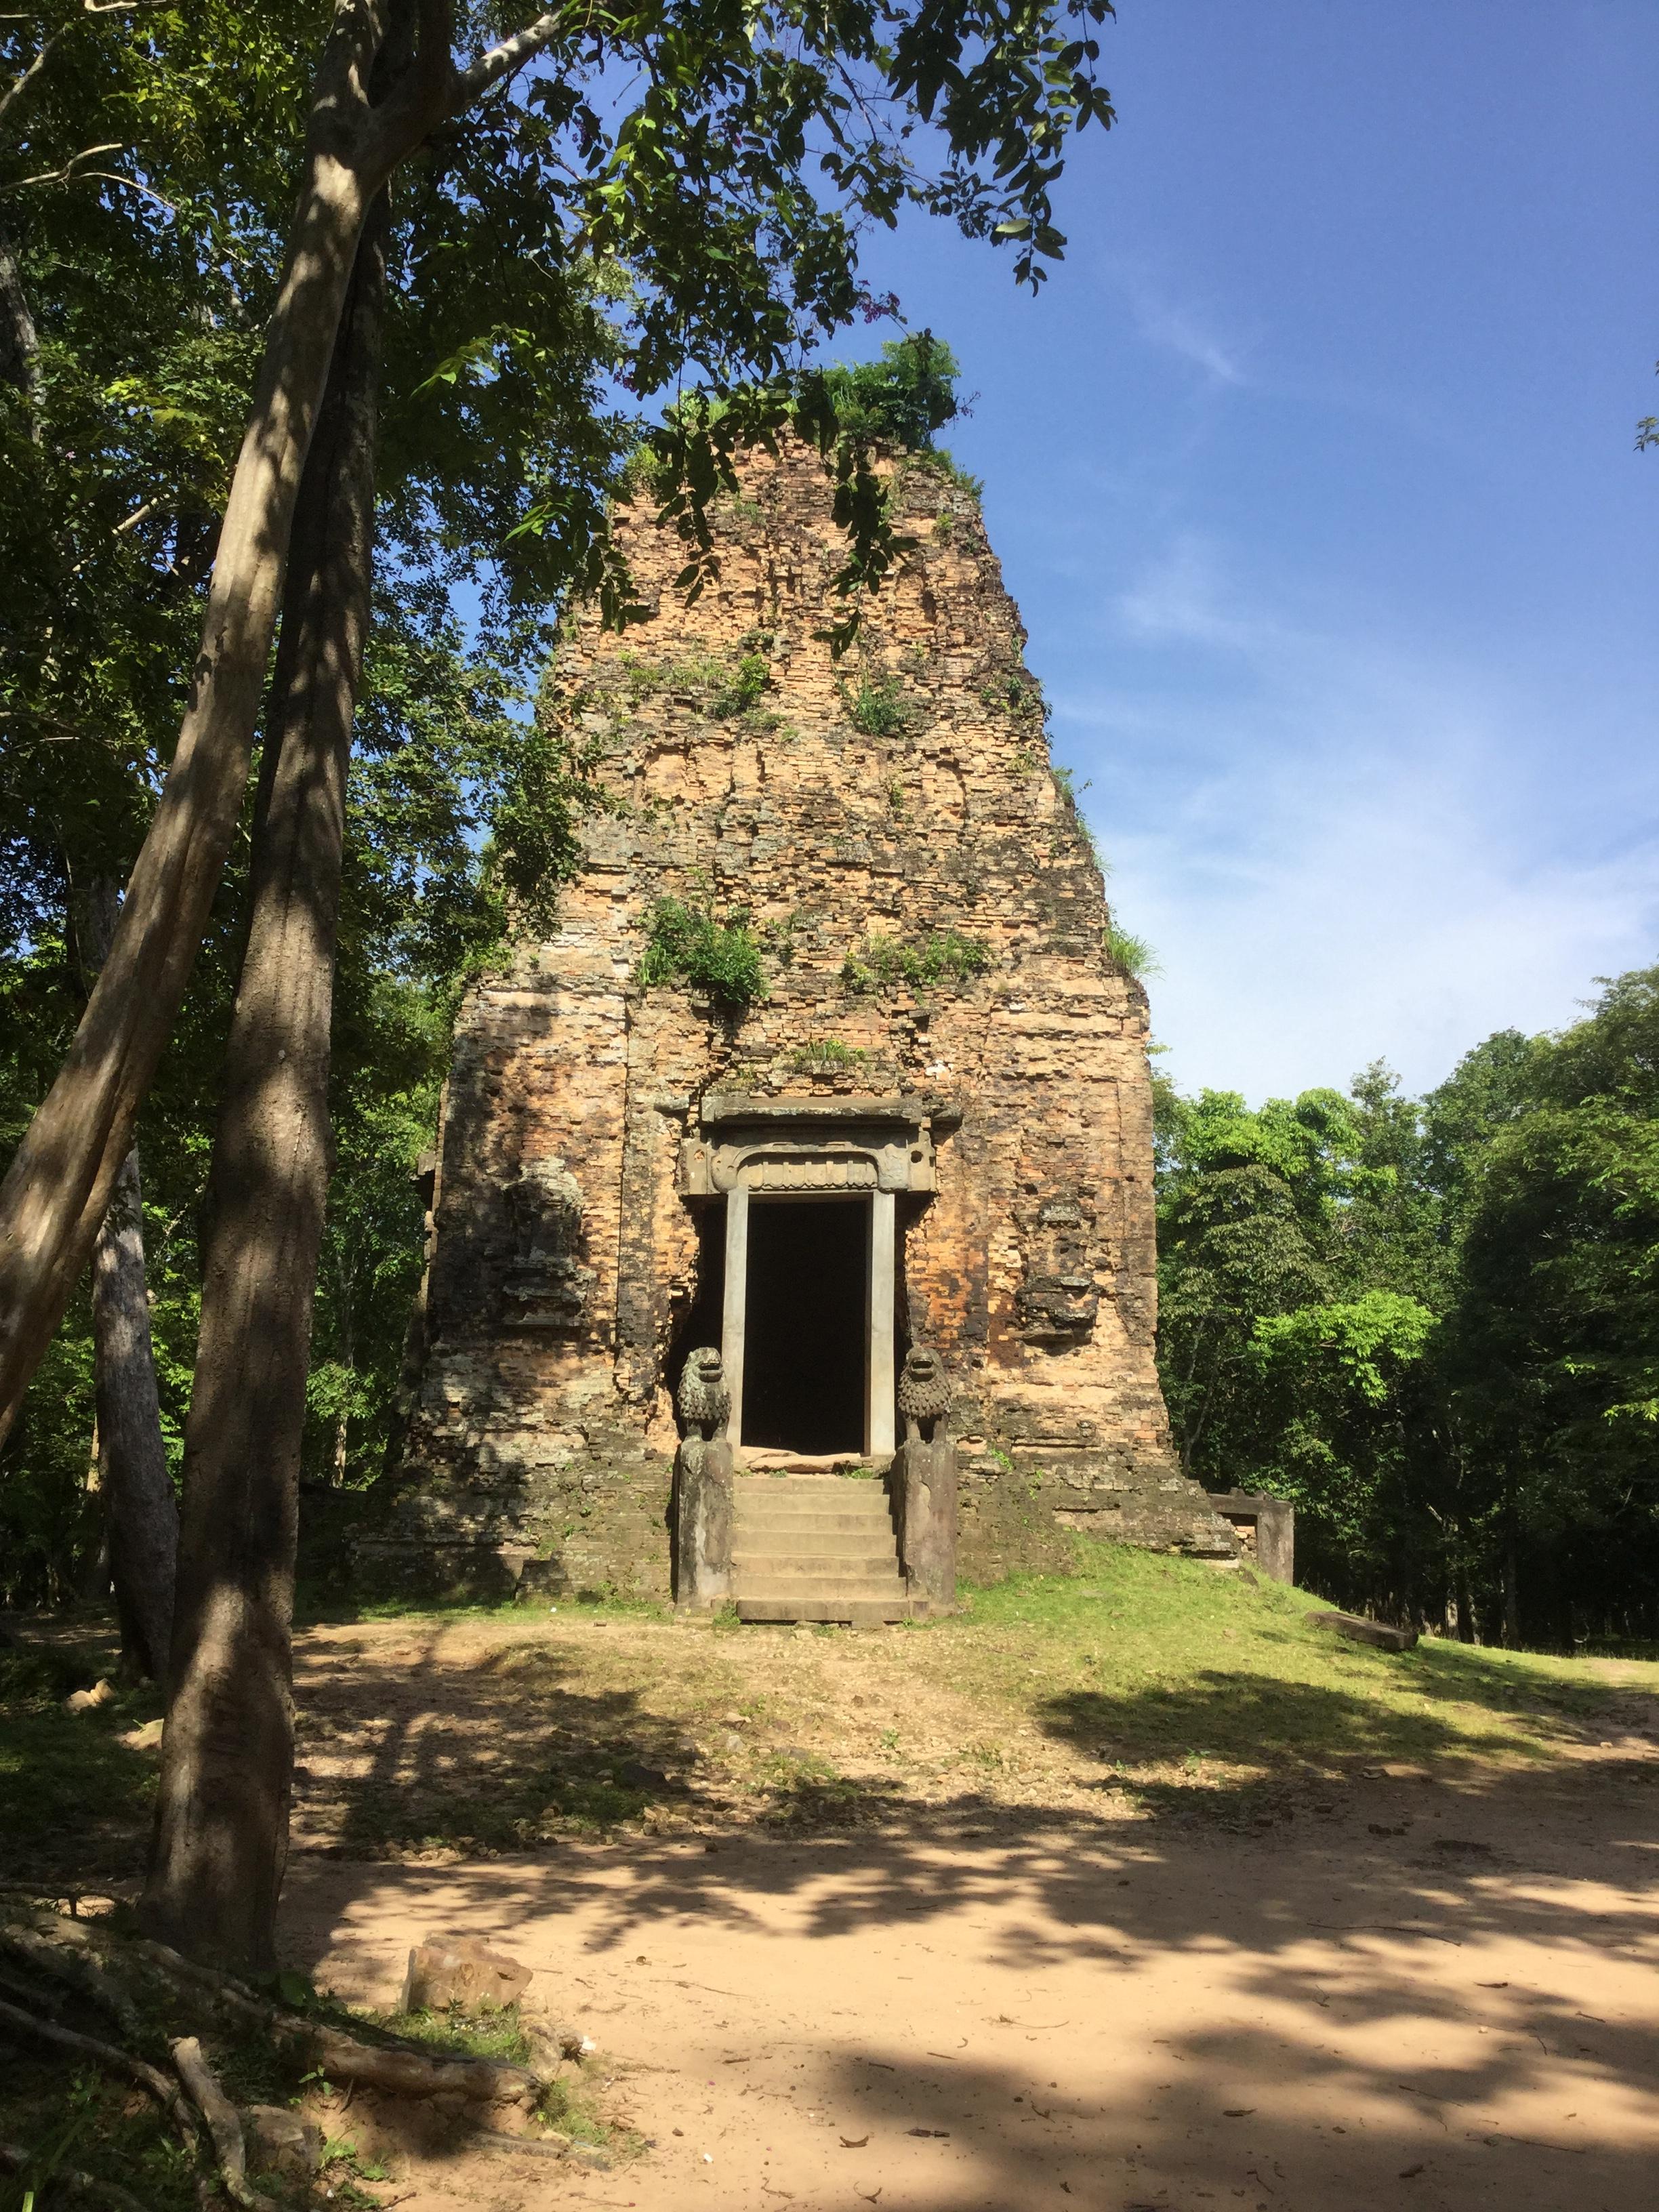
{"x":1428,"y":1994}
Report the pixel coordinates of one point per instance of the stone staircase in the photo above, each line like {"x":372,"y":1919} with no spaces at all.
{"x":815,"y":1547}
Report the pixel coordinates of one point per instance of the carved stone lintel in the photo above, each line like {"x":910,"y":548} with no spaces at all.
{"x":922,"y":1486}
{"x":703,"y":1524}
{"x":790,"y":1145}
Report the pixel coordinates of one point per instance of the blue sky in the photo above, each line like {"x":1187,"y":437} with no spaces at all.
{"x":1312,"y":473}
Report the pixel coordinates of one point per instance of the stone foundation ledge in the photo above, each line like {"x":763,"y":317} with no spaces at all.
{"x":463,"y":1569}
{"x":1128,"y":1497}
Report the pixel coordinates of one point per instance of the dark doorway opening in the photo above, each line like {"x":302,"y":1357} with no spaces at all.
{"x":803,"y":1326}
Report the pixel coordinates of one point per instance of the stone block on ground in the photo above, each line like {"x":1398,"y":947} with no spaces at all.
{"x":1376,"y":1633}
{"x":281,"y":2142}
{"x":463,"y":1973}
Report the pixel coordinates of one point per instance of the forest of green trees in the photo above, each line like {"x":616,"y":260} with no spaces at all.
{"x":1434,"y":1324}
{"x":329,"y":329}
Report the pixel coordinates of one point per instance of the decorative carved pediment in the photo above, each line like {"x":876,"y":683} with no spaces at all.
{"x":808,"y":1145}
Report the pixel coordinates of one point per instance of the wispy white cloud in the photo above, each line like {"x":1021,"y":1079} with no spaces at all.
{"x":1177,"y":326}
{"x":1177,"y":599}
{"x":1181,"y":332}
{"x":1339,"y":850}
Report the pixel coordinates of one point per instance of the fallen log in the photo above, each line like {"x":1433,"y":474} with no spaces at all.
{"x":399,"y":2067}
{"x":70,"y":1966}
{"x":405,"y":2073}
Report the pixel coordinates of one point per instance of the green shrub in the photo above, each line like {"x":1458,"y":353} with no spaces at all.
{"x":878,"y":707}
{"x":721,"y":690}
{"x":1070,"y":793}
{"x":904,"y":397}
{"x":1131,"y":953}
{"x":742,"y":690}
{"x":687,"y":945}
{"x":819,"y":1055}
{"x":944,"y":957}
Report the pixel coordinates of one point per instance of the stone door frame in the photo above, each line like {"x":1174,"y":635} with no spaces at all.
{"x":744,"y":1146}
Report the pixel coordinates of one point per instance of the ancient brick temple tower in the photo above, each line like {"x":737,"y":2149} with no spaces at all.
{"x":934,"y":1130}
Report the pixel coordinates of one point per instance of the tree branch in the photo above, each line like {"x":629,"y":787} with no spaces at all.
{"x":63,"y":176}
{"x":21,"y":83}
{"x":502,"y":61}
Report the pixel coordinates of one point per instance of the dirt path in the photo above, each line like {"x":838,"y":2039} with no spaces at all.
{"x":1433,"y":1996}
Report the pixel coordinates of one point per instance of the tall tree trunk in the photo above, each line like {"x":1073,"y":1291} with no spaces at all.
{"x":61,"y":1178}
{"x":141,"y":1513}
{"x":221,"y":1838}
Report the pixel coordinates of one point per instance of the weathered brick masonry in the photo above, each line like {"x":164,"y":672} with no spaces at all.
{"x":904,"y":792}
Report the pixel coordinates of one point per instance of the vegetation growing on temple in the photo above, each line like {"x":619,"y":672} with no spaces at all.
{"x":690,"y":946}
{"x":944,"y":957}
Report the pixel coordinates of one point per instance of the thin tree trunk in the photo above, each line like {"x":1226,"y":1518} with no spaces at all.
{"x":141,"y":1513}
{"x":61,"y":1178}
{"x":1511,"y":1596}
{"x":221,"y":1838}
{"x":20,"y":344}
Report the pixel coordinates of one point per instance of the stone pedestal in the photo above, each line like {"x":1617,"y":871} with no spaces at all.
{"x":1266,"y":1528}
{"x":922,"y":1486}
{"x":703,"y":1524}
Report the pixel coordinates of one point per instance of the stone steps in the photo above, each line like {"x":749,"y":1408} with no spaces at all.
{"x":819,"y":1541}
{"x":815,"y":1547}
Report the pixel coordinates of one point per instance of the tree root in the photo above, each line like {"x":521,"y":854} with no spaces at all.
{"x":405,"y":2073}
{"x":217,"y":2109}
{"x":399,"y":2067}
{"x":221,"y":1989}
{"x":14,"y":2160}
{"x":74,"y":1970}
{"x":14,"y":2018}
{"x":43,"y":2001}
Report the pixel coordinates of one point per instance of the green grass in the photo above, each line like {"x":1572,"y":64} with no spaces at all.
{"x":1165,"y":1676}
{"x":73,"y":1797}
{"x":1147,"y":1662}
{"x":495,"y":2032}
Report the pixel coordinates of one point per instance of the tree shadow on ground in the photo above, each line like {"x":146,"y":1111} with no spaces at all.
{"x":1358,"y":1949}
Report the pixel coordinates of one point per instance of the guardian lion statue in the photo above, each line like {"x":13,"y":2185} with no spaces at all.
{"x":704,"y":1401}
{"x":924,"y":1393}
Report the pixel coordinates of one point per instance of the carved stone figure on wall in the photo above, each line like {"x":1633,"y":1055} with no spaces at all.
{"x":1059,"y":1299}
{"x":544,"y":1285}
